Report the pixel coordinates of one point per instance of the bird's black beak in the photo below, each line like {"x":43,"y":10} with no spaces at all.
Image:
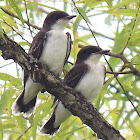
{"x":104,"y":51}
{"x":70,"y":17}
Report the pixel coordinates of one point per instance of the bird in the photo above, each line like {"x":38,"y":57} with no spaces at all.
{"x":51,"y":46}
{"x":86,"y":77}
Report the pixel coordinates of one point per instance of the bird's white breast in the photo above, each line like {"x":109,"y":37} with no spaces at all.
{"x":54,"y":51}
{"x":92,"y":82}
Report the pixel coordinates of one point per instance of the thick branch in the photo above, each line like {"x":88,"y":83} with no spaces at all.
{"x":71,"y":100}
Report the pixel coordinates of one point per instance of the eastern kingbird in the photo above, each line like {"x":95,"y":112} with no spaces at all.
{"x":51,"y":46}
{"x":86,"y":77}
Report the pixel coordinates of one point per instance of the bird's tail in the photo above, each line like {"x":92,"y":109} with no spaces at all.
{"x":19,"y":107}
{"x":49,"y":128}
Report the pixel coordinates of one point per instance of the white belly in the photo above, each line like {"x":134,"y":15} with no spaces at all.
{"x":31,"y":90}
{"x":91,"y":85}
{"x":54,"y":51}
{"x":61,"y":114}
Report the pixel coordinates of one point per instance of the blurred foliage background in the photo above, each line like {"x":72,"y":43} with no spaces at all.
{"x":116,"y":25}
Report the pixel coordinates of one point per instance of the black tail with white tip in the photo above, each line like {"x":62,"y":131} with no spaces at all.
{"x":19,"y":107}
{"x":49,"y":128}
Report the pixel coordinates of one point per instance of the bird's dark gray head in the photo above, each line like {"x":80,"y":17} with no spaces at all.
{"x":56,"y":19}
{"x":87,"y":51}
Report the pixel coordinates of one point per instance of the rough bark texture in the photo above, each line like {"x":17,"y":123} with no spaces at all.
{"x":71,"y":100}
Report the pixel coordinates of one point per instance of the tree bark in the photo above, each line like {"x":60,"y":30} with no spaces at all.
{"x":70,"y":98}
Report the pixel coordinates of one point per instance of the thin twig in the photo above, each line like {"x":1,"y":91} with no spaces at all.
{"x":23,"y":133}
{"x":14,"y":15}
{"x":7,"y":64}
{"x":25,"y":27}
{"x":16,"y":32}
{"x":86,"y":22}
{"x":126,"y":62}
{"x":127,"y":72}
{"x":28,"y":18}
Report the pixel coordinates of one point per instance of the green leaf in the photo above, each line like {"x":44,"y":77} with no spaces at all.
{"x":122,"y":4}
{"x":12,"y":132}
{"x":93,"y":3}
{"x":78,"y":19}
{"x":65,"y":5}
{"x":12,"y":80}
{"x":136,"y":59}
{"x":21,"y":123}
{"x":83,"y":13}
{"x":100,"y":97}
{"x":23,"y":43}
{"x":9,"y":21}
{"x":8,"y":125}
{"x":39,"y":4}
{"x":82,"y":41}
{"x":127,"y":12}
{"x":1,"y":33}
{"x":16,"y":9}
{"x":120,"y":42}
{"x":109,"y":2}
{"x":3,"y":102}
{"x":76,"y":24}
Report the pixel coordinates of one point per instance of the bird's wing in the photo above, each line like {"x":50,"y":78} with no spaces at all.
{"x":69,"y":43}
{"x":37,"y":45}
{"x":75,"y":74}
{"x":105,"y":73}
{"x":36,"y":48}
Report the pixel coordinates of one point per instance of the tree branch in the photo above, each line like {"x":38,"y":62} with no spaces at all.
{"x":14,"y":15}
{"x":126,"y":72}
{"x":27,"y":17}
{"x":71,"y":100}
{"x":16,"y":32}
{"x":126,"y":62}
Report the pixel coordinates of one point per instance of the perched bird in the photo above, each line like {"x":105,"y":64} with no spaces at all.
{"x":86,"y":77}
{"x":51,"y":46}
